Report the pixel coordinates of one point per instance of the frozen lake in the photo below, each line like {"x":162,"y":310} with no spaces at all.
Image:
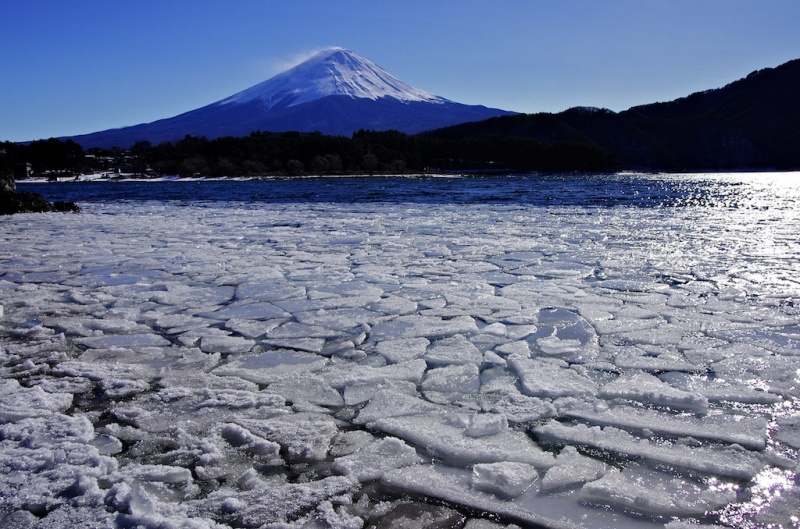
{"x":562,"y":352}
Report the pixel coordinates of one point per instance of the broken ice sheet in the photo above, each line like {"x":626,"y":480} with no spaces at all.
{"x":445,"y":437}
{"x":376,"y":287}
{"x":730,"y":461}
{"x":570,"y":469}
{"x":370,"y":462}
{"x":454,"y":489}
{"x":550,"y":378}
{"x":18,"y":402}
{"x":505,"y":479}
{"x":750,"y":432}
{"x":271,"y":366}
{"x":651,"y":493}
{"x":646,"y":388}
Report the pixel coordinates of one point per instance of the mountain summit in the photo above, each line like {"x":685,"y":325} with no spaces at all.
{"x":335,"y":92}
{"x":335,"y":71}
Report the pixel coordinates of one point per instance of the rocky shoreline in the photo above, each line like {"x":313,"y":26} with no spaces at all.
{"x":13,"y":201}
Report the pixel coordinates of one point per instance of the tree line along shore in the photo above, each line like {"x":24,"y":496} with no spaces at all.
{"x":297,"y":154}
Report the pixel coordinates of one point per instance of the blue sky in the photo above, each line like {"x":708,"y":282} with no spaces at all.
{"x":78,"y":67}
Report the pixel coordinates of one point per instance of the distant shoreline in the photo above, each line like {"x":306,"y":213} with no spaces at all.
{"x":134,"y":177}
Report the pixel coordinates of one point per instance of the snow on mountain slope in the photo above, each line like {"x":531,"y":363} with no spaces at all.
{"x":335,"y":71}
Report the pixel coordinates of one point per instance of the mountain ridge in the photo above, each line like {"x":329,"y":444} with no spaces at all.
{"x":753,"y":122}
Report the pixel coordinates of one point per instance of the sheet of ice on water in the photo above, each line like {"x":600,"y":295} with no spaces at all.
{"x":308,"y":363}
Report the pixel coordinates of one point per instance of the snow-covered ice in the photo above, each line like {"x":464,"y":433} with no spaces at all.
{"x":307,"y":364}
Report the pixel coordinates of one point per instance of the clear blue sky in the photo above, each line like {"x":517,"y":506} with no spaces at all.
{"x":72,"y":67}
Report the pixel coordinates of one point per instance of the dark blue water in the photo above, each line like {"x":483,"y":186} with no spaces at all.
{"x":603,"y":190}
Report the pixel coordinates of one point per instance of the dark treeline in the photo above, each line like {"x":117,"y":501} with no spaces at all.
{"x":293,"y":154}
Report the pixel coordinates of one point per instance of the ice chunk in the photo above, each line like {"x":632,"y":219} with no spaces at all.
{"x":668,"y":497}
{"x":64,"y":385}
{"x":443,"y":439}
{"x":505,"y":479}
{"x":340,"y":319}
{"x":496,"y":328}
{"x":634,"y":358}
{"x":413,"y":514}
{"x":205,"y":382}
{"x":553,"y":345}
{"x":483,"y":424}
{"x":788,"y":431}
{"x":719,"y":389}
{"x":453,"y":350}
{"x":482,"y":523}
{"x":156,"y":473}
{"x":571,"y":469}
{"x":193,"y":296}
{"x":271,"y":366}
{"x":563,"y":332}
{"x":293,"y":329}
{"x":123,"y":340}
{"x":106,"y":370}
{"x":237,"y":399}
{"x":402,"y":350}
{"x":17,"y":402}
{"x":750,"y":432}
{"x":272,"y":291}
{"x":244,"y":439}
{"x":350,"y":441}
{"x":361,"y":392}
{"x":648,"y":389}
{"x":393,"y":305}
{"x":734,"y":461}
{"x":626,"y":324}
{"x":43,"y":433}
{"x":412,"y":326}
{"x":391,"y":403}
{"x":344,"y":374}
{"x":777,"y":373}
{"x":242,"y":311}
{"x":305,"y":437}
{"x":117,"y":388}
{"x":519,"y":408}
{"x":252,"y":328}
{"x":782,"y":510}
{"x":492,"y":359}
{"x":691,"y":525}
{"x":426,"y":480}
{"x":372,"y":461}
{"x":276,"y":504}
{"x":174,"y":323}
{"x":225,"y":344}
{"x":312,"y":345}
{"x":307,"y":388}
{"x":519,"y":348}
{"x":451,"y":383}
{"x":107,"y":444}
{"x":543,"y":378}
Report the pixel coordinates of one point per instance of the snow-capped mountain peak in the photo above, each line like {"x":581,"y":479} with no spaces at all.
{"x":335,"y":71}
{"x":335,"y":92}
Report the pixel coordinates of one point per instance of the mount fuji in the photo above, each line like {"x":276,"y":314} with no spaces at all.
{"x":335,"y":92}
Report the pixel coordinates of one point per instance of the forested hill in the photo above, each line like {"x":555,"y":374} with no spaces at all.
{"x":751,"y":123}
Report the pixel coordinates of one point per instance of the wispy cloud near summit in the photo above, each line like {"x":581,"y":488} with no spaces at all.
{"x":274,"y":66}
